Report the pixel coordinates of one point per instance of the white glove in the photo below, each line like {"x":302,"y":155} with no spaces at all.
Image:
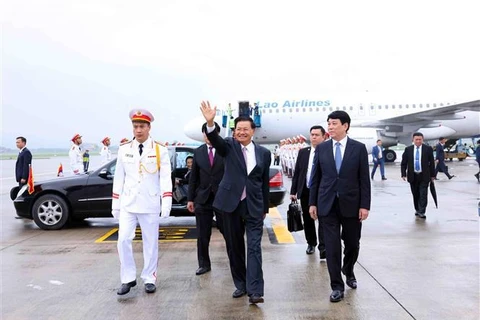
{"x":116,"y":213}
{"x":166,"y":207}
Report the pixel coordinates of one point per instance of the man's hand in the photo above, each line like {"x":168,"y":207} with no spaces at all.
{"x":404,"y":178}
{"x":363,"y":214}
{"x":293,"y":197}
{"x":166,"y":207}
{"x":116,"y":213}
{"x":208,"y":112}
{"x":436,"y":161}
{"x":23,"y":180}
{"x":190,"y":206}
{"x":313,"y":212}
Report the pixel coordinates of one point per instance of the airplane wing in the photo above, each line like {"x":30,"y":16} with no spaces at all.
{"x":420,"y":118}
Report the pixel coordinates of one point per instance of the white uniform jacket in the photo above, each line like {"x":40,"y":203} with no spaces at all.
{"x":76,"y":159}
{"x":105,"y":154}
{"x":138,"y":184}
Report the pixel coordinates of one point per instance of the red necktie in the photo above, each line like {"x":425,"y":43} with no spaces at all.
{"x":244,"y":193}
{"x":210,"y":156}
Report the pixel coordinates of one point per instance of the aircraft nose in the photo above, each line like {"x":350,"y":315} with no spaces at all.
{"x":193,"y":129}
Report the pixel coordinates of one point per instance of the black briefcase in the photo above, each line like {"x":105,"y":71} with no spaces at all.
{"x":294,"y":217}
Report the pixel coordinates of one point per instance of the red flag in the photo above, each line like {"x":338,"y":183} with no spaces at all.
{"x":30,"y":181}
{"x":60,"y":170}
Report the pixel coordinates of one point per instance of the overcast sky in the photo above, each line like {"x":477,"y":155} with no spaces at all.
{"x":79,"y":66}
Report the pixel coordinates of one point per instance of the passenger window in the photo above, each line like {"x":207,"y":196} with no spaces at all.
{"x":351,"y":108}
{"x":111,"y":169}
{"x":406,"y":106}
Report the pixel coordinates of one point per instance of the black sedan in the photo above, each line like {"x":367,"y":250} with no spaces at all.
{"x":56,"y":202}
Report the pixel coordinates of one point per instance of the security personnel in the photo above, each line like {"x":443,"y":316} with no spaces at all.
{"x":142,"y":188}
{"x":105,"y":152}
{"x":75,"y":154}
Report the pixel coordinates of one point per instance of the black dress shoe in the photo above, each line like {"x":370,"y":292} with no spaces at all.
{"x":451,"y":177}
{"x":202,"y":270}
{"x":352,"y":282}
{"x":383,"y":178}
{"x":416,"y":213}
{"x":323,"y":254}
{"x":422,"y":215}
{"x":125,"y":288}
{"x":150,"y":288}
{"x":310,"y":249}
{"x":239,"y":293}
{"x":336,"y":296}
{"x":255,"y":298}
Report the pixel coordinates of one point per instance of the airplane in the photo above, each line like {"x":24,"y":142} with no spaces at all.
{"x":393,"y":123}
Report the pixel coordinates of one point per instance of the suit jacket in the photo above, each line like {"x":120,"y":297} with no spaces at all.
{"x":375,"y":154}
{"x":22,"y":168}
{"x":440,"y":151}
{"x":300,"y":175}
{"x":352,"y":183}
{"x":235,"y":177}
{"x":204,"y":179}
{"x":427,"y":163}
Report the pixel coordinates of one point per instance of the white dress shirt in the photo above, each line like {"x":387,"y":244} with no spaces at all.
{"x":310,"y":165}
{"x":343,"y":144}
{"x":251,"y":160}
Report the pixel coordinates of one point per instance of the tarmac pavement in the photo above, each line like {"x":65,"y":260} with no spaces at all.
{"x":408,"y":268}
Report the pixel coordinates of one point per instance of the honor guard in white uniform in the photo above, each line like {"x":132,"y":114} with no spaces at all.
{"x":142,"y":188}
{"x":76,"y":155}
{"x":105,"y":153}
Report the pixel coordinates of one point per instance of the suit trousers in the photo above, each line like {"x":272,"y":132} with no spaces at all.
{"x":381,"y":163}
{"x":441,"y":167}
{"x":309,"y":223}
{"x":249,"y":278}
{"x":419,"y":190}
{"x":351,"y":229}
{"x":149,"y":223}
{"x":204,"y":221}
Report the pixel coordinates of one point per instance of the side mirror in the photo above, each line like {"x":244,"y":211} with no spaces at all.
{"x":105,"y":174}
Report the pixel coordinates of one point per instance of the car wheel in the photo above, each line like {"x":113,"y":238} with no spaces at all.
{"x":50,"y":212}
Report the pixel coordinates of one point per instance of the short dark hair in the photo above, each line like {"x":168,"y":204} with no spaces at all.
{"x":204,"y":128}
{"x":340,"y":115}
{"x":417,"y":134}
{"x":379,"y":140}
{"x":244,"y":118}
{"x":22,"y":138}
{"x":317,"y":127}
{"x":441,"y":138}
{"x":189,"y":157}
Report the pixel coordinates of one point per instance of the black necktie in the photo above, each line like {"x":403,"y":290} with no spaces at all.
{"x":140,"y":148}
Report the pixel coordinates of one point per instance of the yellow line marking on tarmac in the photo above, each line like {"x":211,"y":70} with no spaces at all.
{"x":279,"y":227}
{"x":106,"y":235}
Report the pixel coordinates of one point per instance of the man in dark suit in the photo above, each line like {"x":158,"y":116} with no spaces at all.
{"x":440,"y":151}
{"x":205,"y":176}
{"x":340,"y":196}
{"x":301,"y":190}
{"x":24,"y":160}
{"x":378,"y":159}
{"x":418,"y":167}
{"x":243,"y":198}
